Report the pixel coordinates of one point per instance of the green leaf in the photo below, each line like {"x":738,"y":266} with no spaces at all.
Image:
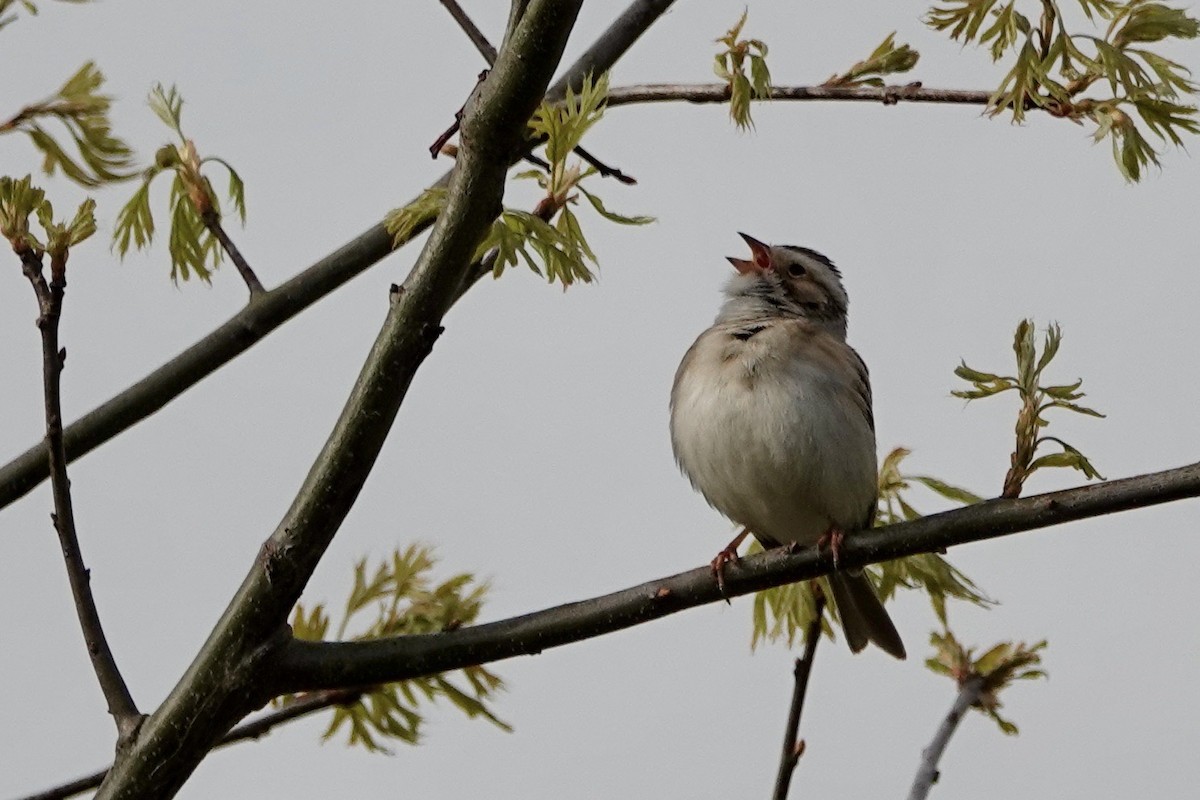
{"x":947,"y":491}
{"x":962,"y":18}
{"x":612,"y":216}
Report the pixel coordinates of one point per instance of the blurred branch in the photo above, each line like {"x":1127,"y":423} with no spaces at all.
{"x":323,"y":665}
{"x":275,"y":307}
{"x":793,"y":747}
{"x":927,"y":773}
{"x":304,"y":706}
{"x":719,"y":93}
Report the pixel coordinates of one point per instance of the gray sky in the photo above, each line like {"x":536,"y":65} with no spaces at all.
{"x":533,"y":447}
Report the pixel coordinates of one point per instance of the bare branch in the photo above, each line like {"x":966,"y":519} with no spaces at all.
{"x":719,"y":93}
{"x":212,"y":221}
{"x":927,"y":772}
{"x":50,"y":302}
{"x":306,"y":666}
{"x":793,"y":747}
{"x":277,"y":306}
{"x":303,"y":706}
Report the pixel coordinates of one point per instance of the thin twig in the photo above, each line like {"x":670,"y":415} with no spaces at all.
{"x":435,"y":149}
{"x":927,"y":772}
{"x":50,"y":301}
{"x":254,"y":729}
{"x":488,"y":52}
{"x":719,"y":93}
{"x":793,"y":747}
{"x":472,"y":30}
{"x":212,"y":221}
{"x":602,"y":169}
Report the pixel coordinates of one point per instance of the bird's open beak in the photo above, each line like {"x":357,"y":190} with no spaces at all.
{"x":760,"y":257}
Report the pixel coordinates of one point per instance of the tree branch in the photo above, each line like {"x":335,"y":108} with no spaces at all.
{"x":719,"y":93}
{"x":303,"y":706}
{"x":306,"y":666}
{"x":927,"y":772}
{"x":223,"y":682}
{"x":212,"y":221}
{"x":489,"y":55}
{"x":793,"y":749}
{"x":50,"y":302}
{"x":277,"y":306}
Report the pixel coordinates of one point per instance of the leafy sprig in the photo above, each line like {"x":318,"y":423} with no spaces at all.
{"x":399,"y":598}
{"x":84,"y":112}
{"x":1053,"y":69}
{"x":997,"y":669}
{"x":549,"y":239}
{"x":1036,"y":400}
{"x":195,"y":207}
{"x":786,"y":612}
{"x":887,"y":59}
{"x":20,"y":199}
{"x":731,"y":65}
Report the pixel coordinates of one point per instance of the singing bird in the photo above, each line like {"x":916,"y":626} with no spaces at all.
{"x":771,"y":421}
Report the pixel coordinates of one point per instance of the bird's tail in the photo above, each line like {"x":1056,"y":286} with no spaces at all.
{"x":864,"y":619}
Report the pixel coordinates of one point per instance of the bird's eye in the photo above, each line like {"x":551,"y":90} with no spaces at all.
{"x":796,"y":270}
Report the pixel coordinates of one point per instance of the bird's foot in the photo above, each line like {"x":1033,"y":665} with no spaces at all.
{"x":727,"y":555}
{"x":832,"y":539}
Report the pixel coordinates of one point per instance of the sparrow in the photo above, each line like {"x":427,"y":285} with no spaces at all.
{"x":771,"y":421}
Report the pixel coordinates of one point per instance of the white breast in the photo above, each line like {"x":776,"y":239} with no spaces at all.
{"x":774,"y":443}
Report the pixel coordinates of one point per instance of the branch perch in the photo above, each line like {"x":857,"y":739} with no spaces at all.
{"x":307,"y":666}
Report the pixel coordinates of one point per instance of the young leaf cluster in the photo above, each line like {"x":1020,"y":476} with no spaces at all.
{"x":1036,"y":400}
{"x":886,"y":59}
{"x":194,"y":205}
{"x":550,"y":239}
{"x":785,"y":612}
{"x":997,"y":669}
{"x":399,"y":598}
{"x":1053,"y":69}
{"x":20,"y":199}
{"x":101,"y":157}
{"x":730,"y":65}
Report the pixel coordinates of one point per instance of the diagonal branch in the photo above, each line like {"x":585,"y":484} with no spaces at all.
{"x":793,"y":747}
{"x":927,"y":773}
{"x":254,"y":729}
{"x":306,"y":666}
{"x":719,"y":93}
{"x":224,"y":680}
{"x":50,"y":302}
{"x":275,"y":307}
